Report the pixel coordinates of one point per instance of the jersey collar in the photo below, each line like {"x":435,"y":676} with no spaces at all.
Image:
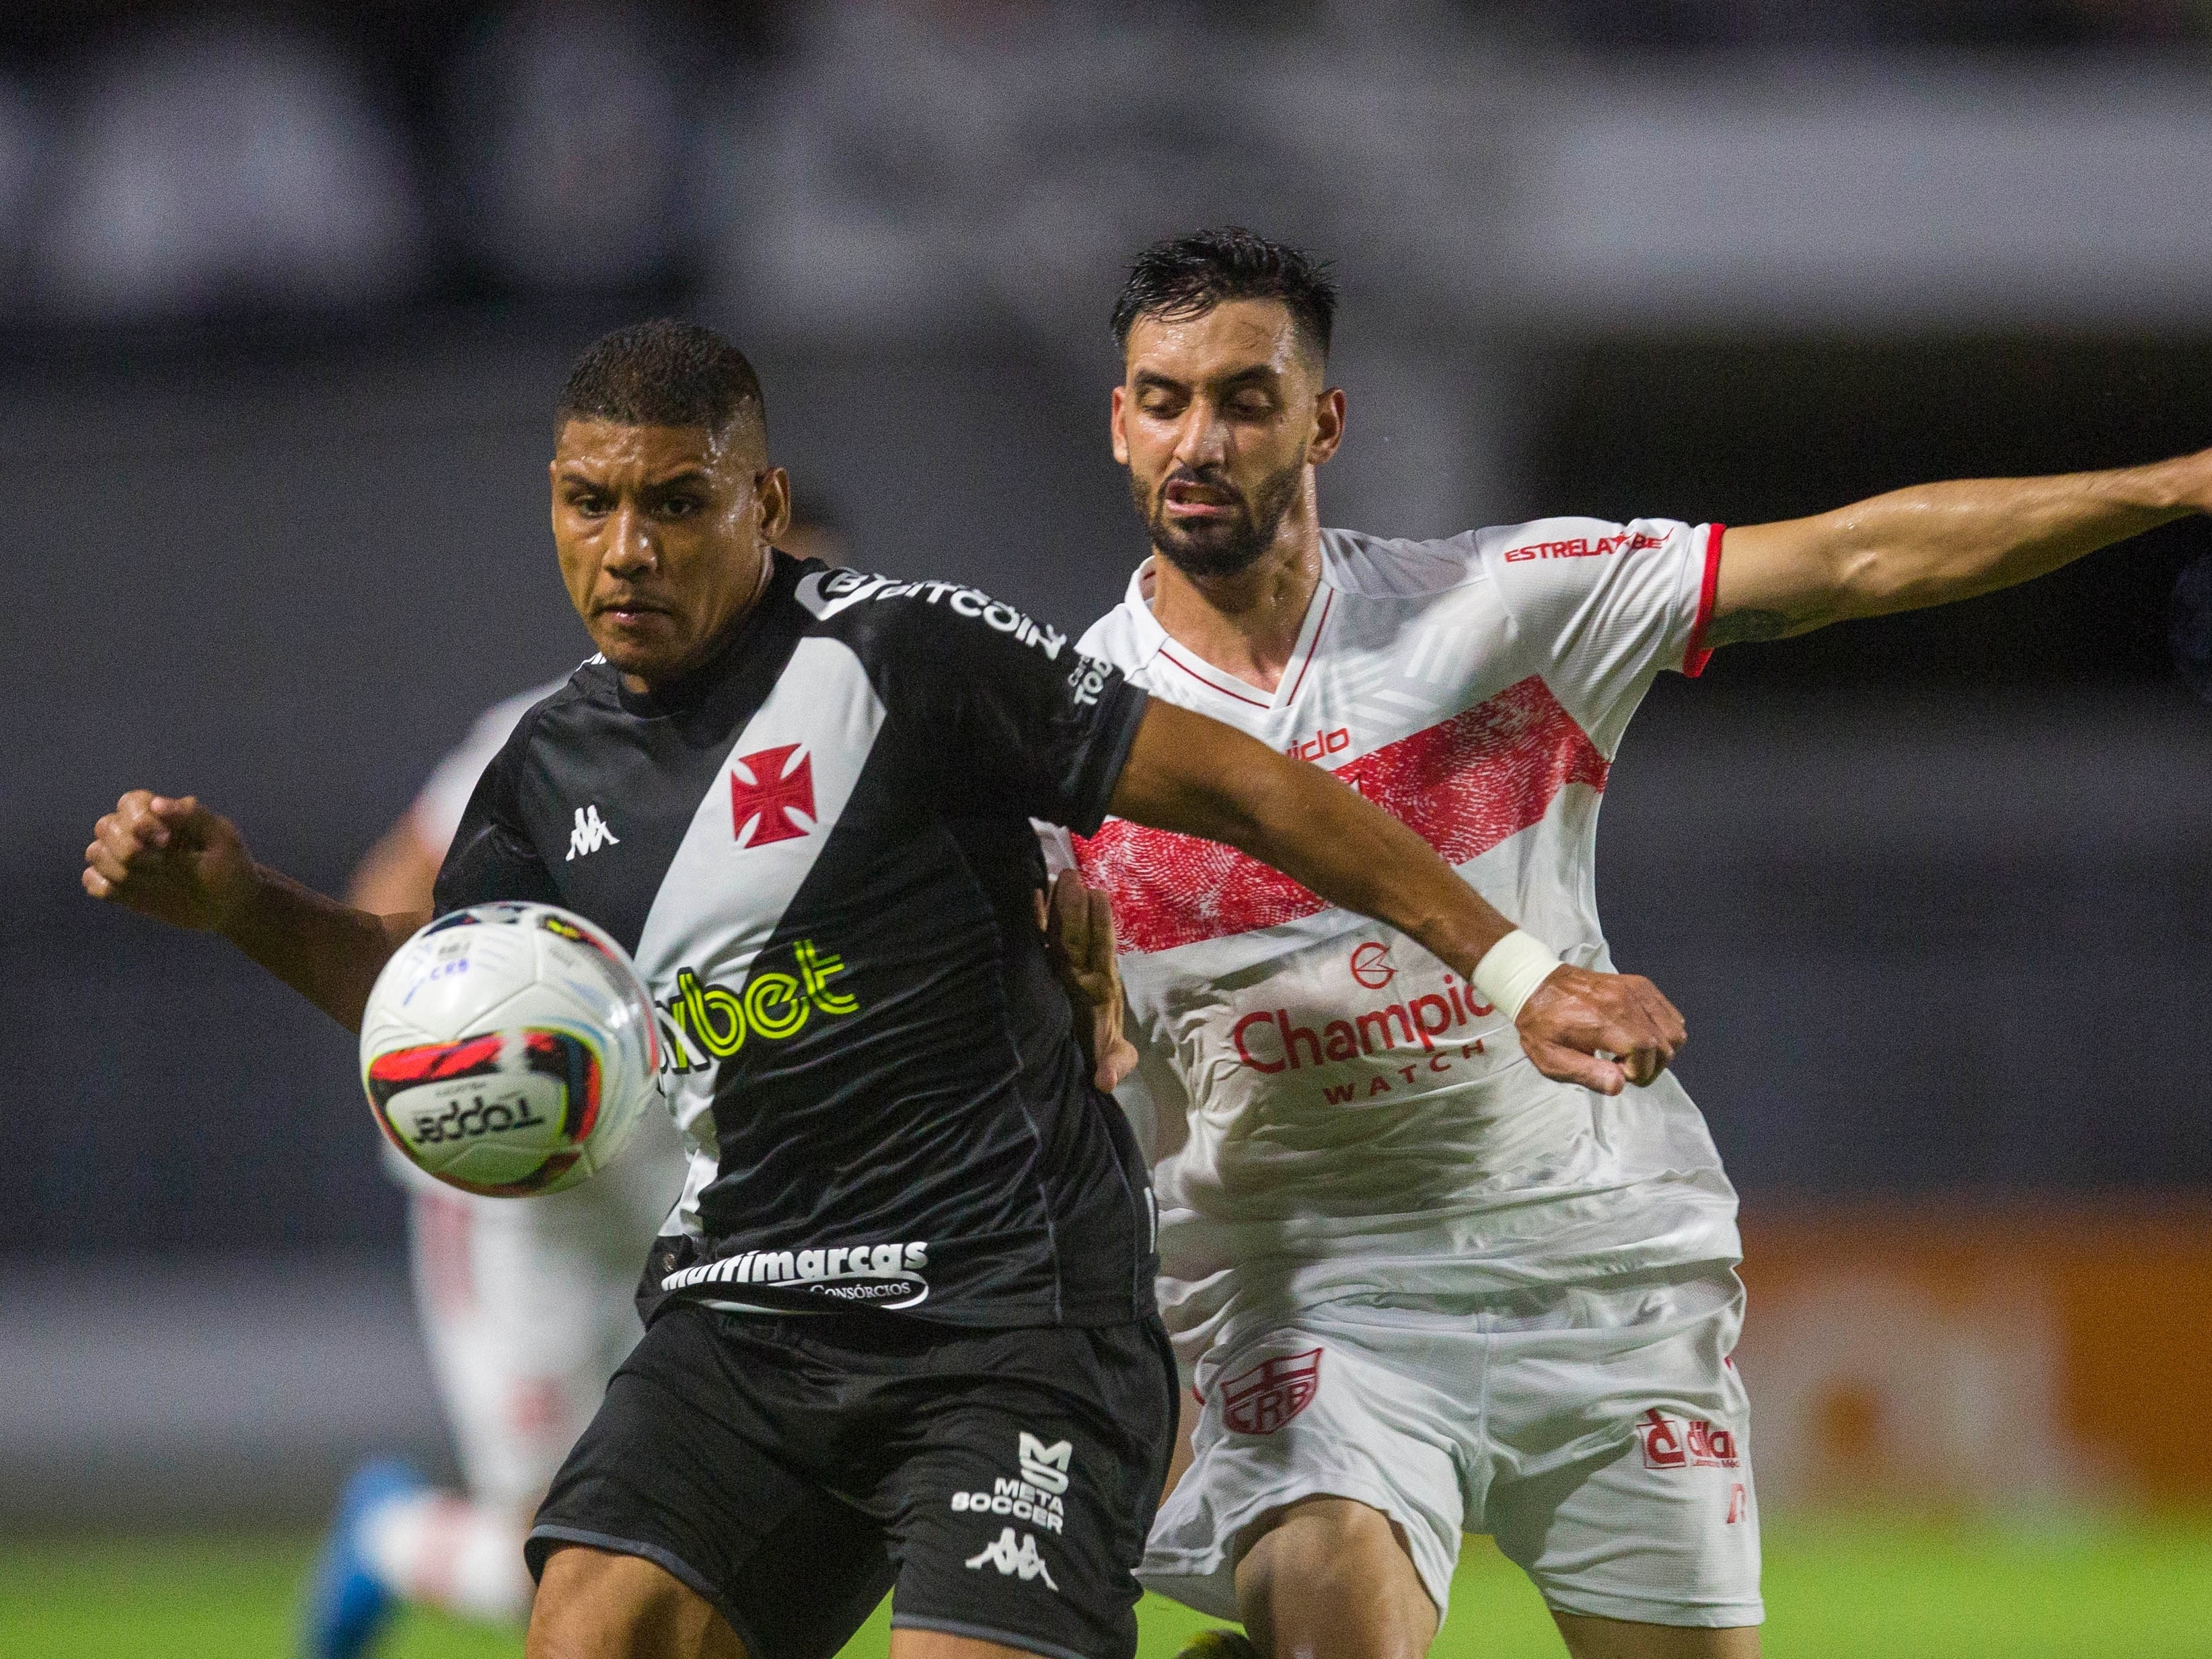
{"x":1155,"y":641}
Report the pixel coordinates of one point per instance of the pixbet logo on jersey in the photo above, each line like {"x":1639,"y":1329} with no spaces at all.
{"x":1271,"y":1393}
{"x":1673,"y":1443}
{"x":702,"y":1023}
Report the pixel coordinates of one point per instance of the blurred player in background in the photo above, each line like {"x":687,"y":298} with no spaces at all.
{"x":527,"y":1304}
{"x":1425,"y":1287}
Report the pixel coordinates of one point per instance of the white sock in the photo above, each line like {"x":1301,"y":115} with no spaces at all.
{"x":440,"y":1551}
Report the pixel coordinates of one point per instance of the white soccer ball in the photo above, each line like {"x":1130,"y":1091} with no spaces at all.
{"x":510,"y":1049}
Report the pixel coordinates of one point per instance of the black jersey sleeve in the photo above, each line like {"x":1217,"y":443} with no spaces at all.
{"x":1014,"y":719}
{"x":492,"y":856}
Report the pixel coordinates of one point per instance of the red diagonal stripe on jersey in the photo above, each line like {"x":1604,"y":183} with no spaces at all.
{"x":1465,"y":784}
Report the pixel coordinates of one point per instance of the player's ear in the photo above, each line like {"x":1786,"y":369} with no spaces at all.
{"x":1328,"y":426}
{"x":773,"y":489}
{"x":1120,"y":437}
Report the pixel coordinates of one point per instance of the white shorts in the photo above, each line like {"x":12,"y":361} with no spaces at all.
{"x":1602,"y":1437}
{"x":528,"y":1304}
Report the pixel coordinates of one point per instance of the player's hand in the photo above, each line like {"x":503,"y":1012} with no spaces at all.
{"x":1575,"y":1019}
{"x":170,"y":858}
{"x":1079,"y":923}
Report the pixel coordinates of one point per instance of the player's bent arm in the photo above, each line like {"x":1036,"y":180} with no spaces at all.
{"x":172,"y":858}
{"x":1935,"y":543}
{"x":1195,"y":775}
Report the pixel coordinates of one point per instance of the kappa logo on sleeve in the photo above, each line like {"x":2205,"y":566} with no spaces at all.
{"x":1271,"y":1393}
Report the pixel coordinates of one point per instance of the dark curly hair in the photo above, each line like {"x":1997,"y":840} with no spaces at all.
{"x":1187,"y":275}
{"x":664,"y":373}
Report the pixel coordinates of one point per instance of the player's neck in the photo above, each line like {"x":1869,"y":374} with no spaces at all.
{"x":1246,"y":625}
{"x":670,"y":682}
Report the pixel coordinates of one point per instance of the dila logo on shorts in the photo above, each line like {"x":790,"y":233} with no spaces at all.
{"x":765,"y":789}
{"x":1271,"y":1393}
{"x":1669,"y":1443}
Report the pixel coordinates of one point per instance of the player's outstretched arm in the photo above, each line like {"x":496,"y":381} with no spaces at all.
{"x":1937,"y":543}
{"x":1190,"y":774}
{"x":171,"y":857}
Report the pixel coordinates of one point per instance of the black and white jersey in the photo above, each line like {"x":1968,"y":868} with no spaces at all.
{"x":819,"y":850}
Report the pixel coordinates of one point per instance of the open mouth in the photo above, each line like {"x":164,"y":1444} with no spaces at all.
{"x":1187,"y":499}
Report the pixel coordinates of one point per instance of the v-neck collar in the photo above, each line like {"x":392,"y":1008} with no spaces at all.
{"x":1158,"y":642}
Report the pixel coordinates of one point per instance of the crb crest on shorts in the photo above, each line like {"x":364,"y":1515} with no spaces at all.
{"x":1271,"y":1393}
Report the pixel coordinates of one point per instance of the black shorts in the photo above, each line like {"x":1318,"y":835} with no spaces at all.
{"x":791,"y":1470}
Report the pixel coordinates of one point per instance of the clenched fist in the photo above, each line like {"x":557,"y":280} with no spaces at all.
{"x":170,"y":858}
{"x":1577,"y":1018}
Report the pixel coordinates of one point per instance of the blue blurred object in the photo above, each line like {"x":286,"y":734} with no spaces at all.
{"x":348,"y":1606}
{"x":2192,"y":627}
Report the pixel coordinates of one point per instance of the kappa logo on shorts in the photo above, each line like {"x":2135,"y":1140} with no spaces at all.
{"x":1037,"y":1498}
{"x":1271,"y":1393}
{"x":1011,"y":1558}
{"x":1671,"y":1443}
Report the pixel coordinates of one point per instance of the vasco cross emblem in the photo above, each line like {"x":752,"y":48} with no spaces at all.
{"x":765,"y":789}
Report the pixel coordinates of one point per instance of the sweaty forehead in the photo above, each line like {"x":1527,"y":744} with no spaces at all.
{"x":610,"y":447}
{"x":1233,"y":337}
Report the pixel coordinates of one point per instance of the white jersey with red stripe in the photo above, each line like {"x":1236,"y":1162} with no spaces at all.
{"x":1333,"y":1113}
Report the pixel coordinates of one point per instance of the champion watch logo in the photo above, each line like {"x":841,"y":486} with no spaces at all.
{"x":590,"y":834}
{"x":765,"y":789}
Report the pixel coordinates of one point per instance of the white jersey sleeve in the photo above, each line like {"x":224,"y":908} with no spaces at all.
{"x":437,"y":810}
{"x":1606,"y":606}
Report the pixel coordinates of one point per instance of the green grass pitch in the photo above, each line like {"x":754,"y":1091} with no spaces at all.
{"x":1885,"y":1590}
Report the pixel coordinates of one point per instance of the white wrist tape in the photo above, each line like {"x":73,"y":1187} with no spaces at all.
{"x":1511,"y":970}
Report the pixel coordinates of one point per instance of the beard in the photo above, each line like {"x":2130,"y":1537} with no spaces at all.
{"x":1223,"y":547}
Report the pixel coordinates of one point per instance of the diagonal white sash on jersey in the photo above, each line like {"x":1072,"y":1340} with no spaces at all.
{"x":824,"y":703}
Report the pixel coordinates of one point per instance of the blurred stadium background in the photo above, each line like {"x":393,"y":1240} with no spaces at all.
{"x":288,"y":291}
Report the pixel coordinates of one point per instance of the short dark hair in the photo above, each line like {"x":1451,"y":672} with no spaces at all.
{"x":1189,"y":276}
{"x":664,"y":373}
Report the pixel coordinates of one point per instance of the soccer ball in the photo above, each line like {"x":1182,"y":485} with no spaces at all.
{"x":509,"y":1049}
